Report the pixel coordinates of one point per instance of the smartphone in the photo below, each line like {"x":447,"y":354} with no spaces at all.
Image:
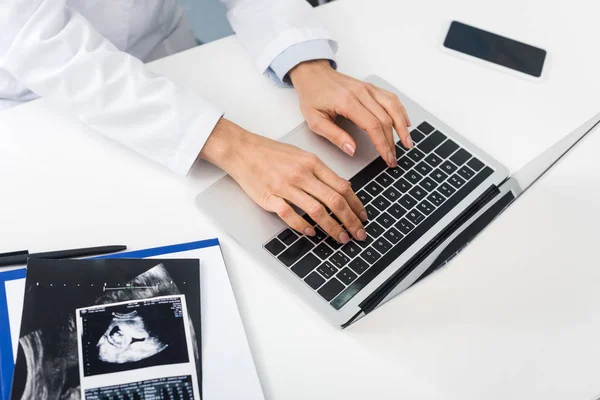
{"x":496,"y":49}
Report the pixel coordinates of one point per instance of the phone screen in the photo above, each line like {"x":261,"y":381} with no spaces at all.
{"x":495,"y":48}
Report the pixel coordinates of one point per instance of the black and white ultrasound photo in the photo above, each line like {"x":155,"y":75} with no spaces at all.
{"x":47,"y":364}
{"x":135,"y":335}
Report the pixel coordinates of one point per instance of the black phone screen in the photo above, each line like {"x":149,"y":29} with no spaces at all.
{"x":495,"y":48}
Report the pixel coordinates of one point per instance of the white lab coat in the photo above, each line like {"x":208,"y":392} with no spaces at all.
{"x":84,"y":55}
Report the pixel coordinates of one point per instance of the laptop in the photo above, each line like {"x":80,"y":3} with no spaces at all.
{"x":444,"y":191}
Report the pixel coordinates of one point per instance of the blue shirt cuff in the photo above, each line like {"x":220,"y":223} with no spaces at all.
{"x":306,"y":51}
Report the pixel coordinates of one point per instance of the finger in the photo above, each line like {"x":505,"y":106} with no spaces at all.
{"x":395,"y":109}
{"x":279,"y":206}
{"x":338,"y":205}
{"x":343,"y":187}
{"x":316,"y":210}
{"x":357,"y":113}
{"x":322,"y":125}
{"x":381,"y":114}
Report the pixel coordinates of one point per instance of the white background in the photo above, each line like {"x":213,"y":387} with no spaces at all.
{"x":515,"y":316}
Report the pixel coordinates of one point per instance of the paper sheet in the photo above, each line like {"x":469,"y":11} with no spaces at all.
{"x":229,"y":372}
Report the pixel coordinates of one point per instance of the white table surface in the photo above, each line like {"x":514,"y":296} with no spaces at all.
{"x":515,"y":316}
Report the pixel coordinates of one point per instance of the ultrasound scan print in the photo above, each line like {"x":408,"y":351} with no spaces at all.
{"x":47,"y":362}
{"x":135,"y":335}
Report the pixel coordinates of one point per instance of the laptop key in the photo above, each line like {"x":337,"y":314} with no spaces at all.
{"x":423,"y":168}
{"x":425,"y":128}
{"x":382,"y":245}
{"x":426,"y":207}
{"x":363,"y":196}
{"x":402,"y":185}
{"x":439,"y":175}
{"x":428,"y":184}
{"x":418,"y":193}
{"x":404,"y":226}
{"x":436,"y":198}
{"x":446,"y":189}
{"x":373,"y":188}
{"x":314,"y":280}
{"x":399,"y":150}
{"x":407,"y":202}
{"x":385,"y":220}
{"x":339,"y":259}
{"x":432,"y":141}
{"x":351,"y":249}
{"x":433,"y":159}
{"x":381,"y":203}
{"x":460,"y":157}
{"x":456,"y":181}
{"x":448,"y":167}
{"x":358,"y":265}
{"x":288,"y":236}
{"x":416,"y":155}
{"x":327,"y":270}
{"x":365,"y":243}
{"x":331,"y":242}
{"x":296,"y":251}
{"x":319,"y":235}
{"x":413,"y":177}
{"x":415,"y":217}
{"x":374,"y":230}
{"x":346,"y":276}
{"x":275,"y":246}
{"x":393,"y":236}
{"x":372,"y":212}
{"x":395,"y":173}
{"x":392,"y":194}
{"x":323,"y":251}
{"x":303,"y":267}
{"x":475,"y":164}
{"x":331,"y":289}
{"x":370,"y":255}
{"x":466,"y":172}
{"x":446,"y":149}
{"x":405,"y":163}
{"x":416,"y":136}
{"x":396,"y":211}
{"x":384,"y":180}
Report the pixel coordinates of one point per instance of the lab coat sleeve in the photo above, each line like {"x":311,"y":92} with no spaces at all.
{"x":57,"y":54}
{"x":299,"y":53}
{"x":266,"y":28}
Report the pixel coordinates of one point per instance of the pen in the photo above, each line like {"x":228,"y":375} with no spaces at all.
{"x":20,"y":257}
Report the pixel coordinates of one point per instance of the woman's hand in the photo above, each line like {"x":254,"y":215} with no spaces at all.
{"x":325,"y":93}
{"x":276,"y":175}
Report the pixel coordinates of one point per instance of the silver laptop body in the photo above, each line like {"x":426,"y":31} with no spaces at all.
{"x":484,"y":198}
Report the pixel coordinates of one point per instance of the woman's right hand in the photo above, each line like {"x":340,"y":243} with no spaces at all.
{"x":276,"y":175}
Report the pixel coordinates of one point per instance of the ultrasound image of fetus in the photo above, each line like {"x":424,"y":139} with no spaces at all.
{"x":127,"y":339}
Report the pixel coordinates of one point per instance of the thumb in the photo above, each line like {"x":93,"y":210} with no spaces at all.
{"x":323,"y":126}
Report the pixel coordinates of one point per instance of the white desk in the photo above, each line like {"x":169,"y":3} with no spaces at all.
{"x":515,"y":316}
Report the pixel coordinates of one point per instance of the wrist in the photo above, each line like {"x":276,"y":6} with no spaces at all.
{"x":223,"y":144}
{"x":307,"y":69}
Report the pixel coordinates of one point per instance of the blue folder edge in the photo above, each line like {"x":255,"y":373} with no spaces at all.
{"x":7,"y":364}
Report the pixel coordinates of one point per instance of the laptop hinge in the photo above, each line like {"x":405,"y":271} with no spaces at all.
{"x":371,"y":302}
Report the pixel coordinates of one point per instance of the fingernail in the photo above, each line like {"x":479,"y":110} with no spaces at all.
{"x":410,"y":142}
{"x":348,"y":149}
{"x":363,"y":216}
{"x":361,"y":234}
{"x":310,"y":232}
{"x":344,"y":238}
{"x":391,"y":160}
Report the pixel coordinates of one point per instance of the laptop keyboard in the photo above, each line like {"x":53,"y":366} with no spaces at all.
{"x":402,"y":204}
